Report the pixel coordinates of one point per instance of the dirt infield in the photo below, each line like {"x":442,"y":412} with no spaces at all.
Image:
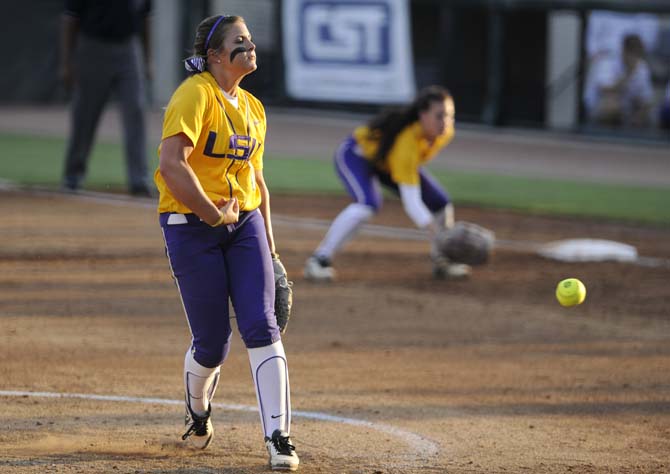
{"x":391,"y":371}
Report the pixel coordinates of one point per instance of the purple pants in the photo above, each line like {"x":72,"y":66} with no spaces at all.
{"x":358,"y":176}
{"x":212,"y":265}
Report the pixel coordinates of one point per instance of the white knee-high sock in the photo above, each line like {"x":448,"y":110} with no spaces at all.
{"x":270,"y":373}
{"x":200,"y":383}
{"x":343,"y":228}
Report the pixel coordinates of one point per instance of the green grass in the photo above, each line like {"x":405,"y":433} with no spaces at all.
{"x":541,"y":196}
{"x":616,"y":202}
{"x":39,"y":160}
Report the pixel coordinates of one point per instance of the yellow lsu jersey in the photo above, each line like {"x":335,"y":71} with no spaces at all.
{"x":228,"y":142}
{"x":409,"y":152}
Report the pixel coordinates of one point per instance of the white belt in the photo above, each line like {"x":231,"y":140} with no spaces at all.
{"x":175,"y":219}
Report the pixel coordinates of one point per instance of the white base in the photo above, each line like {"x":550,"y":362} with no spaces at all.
{"x":588,"y":250}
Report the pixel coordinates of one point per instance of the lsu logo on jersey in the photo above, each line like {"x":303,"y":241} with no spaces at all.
{"x":345,"y":33}
{"x":240,"y":147}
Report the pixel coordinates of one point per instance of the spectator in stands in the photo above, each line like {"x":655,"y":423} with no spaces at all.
{"x":605,"y":31}
{"x":619,"y":90}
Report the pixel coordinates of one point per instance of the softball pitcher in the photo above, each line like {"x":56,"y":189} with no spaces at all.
{"x":215,"y":216}
{"x":391,"y":150}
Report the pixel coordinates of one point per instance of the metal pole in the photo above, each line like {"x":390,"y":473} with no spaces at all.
{"x":494,"y":86}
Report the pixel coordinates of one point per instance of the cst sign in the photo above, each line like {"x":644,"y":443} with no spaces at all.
{"x":345,"y":32}
{"x":348,"y":50}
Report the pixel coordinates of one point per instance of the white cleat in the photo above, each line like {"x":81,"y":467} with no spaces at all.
{"x":318,"y":269}
{"x":200,"y":430}
{"x":443,"y":269}
{"x":458,"y":270}
{"x":282,"y":452}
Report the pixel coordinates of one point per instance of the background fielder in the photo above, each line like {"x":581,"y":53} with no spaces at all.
{"x":391,"y":150}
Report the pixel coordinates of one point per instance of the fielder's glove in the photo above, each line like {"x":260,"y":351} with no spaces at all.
{"x":466,"y":243}
{"x":283,"y":294}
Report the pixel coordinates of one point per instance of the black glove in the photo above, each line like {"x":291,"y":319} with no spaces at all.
{"x":283,"y":294}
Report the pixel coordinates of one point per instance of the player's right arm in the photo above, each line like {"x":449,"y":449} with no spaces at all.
{"x":185,"y":186}
{"x":403,"y":160}
{"x":410,"y":196}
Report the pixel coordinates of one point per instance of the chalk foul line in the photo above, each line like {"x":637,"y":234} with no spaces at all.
{"x":371,"y":230}
{"x":420,"y":446}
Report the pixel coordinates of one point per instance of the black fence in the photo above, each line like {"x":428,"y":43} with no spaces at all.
{"x":491,"y":54}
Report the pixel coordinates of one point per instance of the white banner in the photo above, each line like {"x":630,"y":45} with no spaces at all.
{"x":348,"y":50}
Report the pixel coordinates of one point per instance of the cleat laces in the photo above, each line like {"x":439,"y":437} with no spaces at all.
{"x":198,"y":427}
{"x":282,"y":445}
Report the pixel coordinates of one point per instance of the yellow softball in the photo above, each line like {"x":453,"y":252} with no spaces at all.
{"x":570,"y":292}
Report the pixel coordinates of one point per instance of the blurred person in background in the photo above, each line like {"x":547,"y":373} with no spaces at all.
{"x":392,"y":150}
{"x":605,"y":31}
{"x":214,"y":210}
{"x":105,"y":50}
{"x":619,"y":90}
{"x":664,"y":111}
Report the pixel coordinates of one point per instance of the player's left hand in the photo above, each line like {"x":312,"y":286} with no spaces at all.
{"x":230,"y":211}
{"x":283,"y":294}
